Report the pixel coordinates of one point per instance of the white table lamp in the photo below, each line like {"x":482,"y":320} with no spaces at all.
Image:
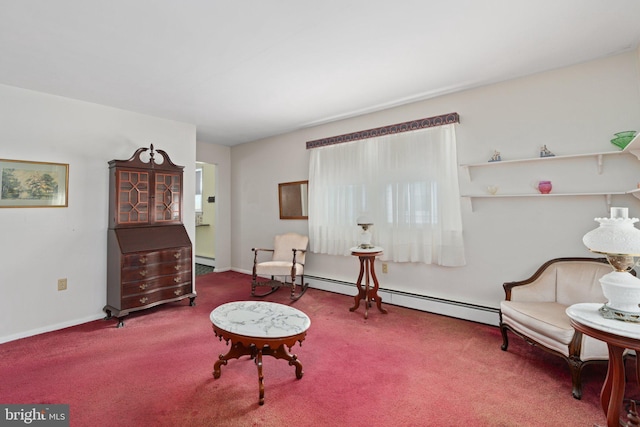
{"x":619,"y":240}
{"x":365,"y":222}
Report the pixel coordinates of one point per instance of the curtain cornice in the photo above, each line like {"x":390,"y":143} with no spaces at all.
{"x":443,"y":119}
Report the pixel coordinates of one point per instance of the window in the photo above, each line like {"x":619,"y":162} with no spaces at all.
{"x":408,"y":184}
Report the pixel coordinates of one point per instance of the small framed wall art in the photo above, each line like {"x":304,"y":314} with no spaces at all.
{"x":26,"y":184}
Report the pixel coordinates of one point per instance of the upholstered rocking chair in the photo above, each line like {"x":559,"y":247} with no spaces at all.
{"x":287,"y":262}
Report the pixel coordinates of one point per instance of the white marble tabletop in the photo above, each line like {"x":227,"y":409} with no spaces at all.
{"x":588,"y":314}
{"x":260,"y":319}
{"x":366,"y":251}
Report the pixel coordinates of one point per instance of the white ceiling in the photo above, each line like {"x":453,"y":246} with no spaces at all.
{"x":248,"y":69}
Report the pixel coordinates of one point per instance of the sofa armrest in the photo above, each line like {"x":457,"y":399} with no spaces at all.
{"x":530,"y":290}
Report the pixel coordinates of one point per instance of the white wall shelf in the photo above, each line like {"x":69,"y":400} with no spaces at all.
{"x":607,"y":195}
{"x":495,"y":196}
{"x":632,"y":148}
{"x":597,"y":156}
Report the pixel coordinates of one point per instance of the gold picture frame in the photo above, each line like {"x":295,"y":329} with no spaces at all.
{"x":27,"y":184}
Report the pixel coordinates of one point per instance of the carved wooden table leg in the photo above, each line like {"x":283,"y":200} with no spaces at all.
{"x":362,"y":293}
{"x":611,"y":397}
{"x":235,"y":352}
{"x":281,"y":352}
{"x":373,"y":296}
{"x":260,"y":377}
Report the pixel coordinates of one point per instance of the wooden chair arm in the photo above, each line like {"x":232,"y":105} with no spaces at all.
{"x":255,"y":256}
{"x":295,"y":251}
{"x":261,"y":249}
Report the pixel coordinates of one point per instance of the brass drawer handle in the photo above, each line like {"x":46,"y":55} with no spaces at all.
{"x":143,"y":260}
{"x":143,"y":286}
{"x":177,"y":255}
{"x":176,"y":279}
{"x":143,"y":300}
{"x":143,"y":273}
{"x":178,"y":292}
{"x":178,"y":267}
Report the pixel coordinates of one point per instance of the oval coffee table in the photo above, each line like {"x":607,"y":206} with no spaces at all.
{"x":257,"y":328}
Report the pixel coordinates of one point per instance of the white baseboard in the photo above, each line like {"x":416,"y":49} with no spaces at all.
{"x":50,"y":328}
{"x":211,"y":262}
{"x":460,"y":310}
{"x":474,"y":313}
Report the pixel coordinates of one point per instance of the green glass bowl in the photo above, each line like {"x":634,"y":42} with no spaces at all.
{"x":630,"y":133}
{"x":621,"y":141}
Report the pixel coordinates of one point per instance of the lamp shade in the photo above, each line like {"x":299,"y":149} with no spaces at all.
{"x":365,"y":220}
{"x":615,"y":235}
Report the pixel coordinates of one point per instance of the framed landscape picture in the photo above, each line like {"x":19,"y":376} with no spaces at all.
{"x":25,"y":184}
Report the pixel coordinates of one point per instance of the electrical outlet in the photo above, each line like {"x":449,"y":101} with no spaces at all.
{"x":62,"y":284}
{"x":385,"y":267}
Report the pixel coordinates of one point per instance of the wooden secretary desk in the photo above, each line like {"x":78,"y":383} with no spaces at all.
{"x":149,"y":259}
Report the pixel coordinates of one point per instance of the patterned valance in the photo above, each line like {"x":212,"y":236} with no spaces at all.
{"x":428,"y":122}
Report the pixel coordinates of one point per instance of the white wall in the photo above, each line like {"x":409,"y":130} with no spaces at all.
{"x":571,"y":110}
{"x":41,"y":245}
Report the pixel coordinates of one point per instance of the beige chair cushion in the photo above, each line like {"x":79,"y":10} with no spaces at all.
{"x":280,"y":264}
{"x":277,"y":268}
{"x":283,"y":245}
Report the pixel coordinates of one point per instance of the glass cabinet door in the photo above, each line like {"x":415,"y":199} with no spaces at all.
{"x":133,"y":197}
{"x":168,"y":197}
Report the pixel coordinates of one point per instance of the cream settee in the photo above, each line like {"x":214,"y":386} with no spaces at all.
{"x":534,"y":309}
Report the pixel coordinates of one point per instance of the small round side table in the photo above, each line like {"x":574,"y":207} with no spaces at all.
{"x":257,"y":328}
{"x":367,"y":258}
{"x":618,"y":335}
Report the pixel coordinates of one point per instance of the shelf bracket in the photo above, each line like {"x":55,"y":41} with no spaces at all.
{"x":599,"y":159}
{"x":468,"y":171}
{"x":635,"y":153}
{"x":468,"y":200}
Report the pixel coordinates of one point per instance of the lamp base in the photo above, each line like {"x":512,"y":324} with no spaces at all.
{"x":625,"y":316}
{"x":622,"y":290}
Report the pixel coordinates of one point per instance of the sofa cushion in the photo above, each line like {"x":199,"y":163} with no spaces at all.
{"x":579,"y":282}
{"x":546,"y":319}
{"x":277,"y":268}
{"x":569,"y":282}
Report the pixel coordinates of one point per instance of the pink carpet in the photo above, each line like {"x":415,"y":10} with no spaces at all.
{"x":405,"y":368}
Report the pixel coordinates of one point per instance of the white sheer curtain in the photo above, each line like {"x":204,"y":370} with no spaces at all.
{"x":408,"y":184}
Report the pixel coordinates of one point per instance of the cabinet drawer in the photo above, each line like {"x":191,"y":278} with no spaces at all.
{"x":142,"y":286}
{"x":156,"y":270}
{"x":149,"y":298}
{"x":141,"y":259}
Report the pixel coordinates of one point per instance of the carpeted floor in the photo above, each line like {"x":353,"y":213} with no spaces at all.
{"x":405,"y":368}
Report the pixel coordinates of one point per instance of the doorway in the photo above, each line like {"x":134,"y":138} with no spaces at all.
{"x":205,"y":248}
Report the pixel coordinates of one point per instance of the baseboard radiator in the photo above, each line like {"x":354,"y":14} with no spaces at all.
{"x":460,"y":310}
